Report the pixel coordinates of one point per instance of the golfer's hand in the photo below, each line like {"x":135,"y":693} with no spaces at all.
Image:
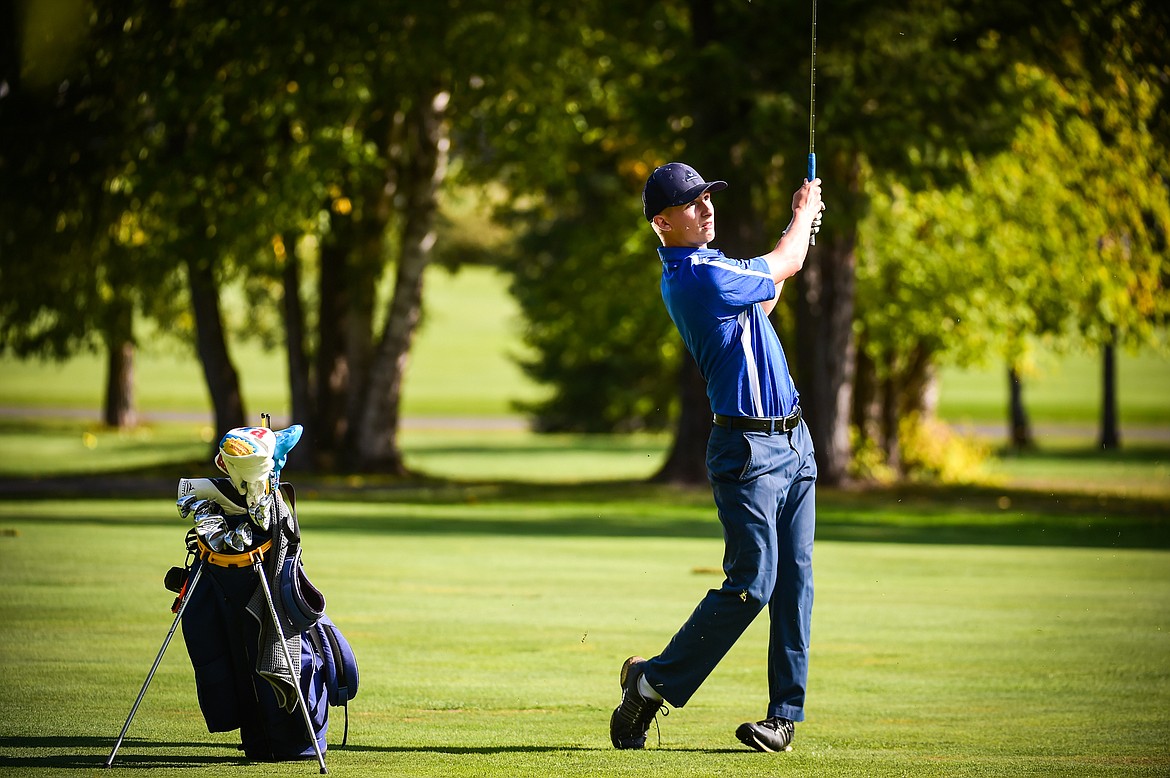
{"x":816,"y":223}
{"x":808,"y":197}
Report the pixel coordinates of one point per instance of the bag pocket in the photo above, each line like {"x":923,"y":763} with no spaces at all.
{"x":304,"y":604}
{"x":215,"y":687}
{"x":340,"y":665}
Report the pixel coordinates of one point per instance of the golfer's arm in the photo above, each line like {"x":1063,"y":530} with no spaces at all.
{"x":787,"y":258}
{"x":770,"y":304}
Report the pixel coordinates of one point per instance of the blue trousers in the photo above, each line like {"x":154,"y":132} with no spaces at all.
{"x":764,"y":488}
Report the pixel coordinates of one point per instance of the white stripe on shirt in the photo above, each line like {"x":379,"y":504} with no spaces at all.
{"x":749,"y":356}
{"x":730,"y":267}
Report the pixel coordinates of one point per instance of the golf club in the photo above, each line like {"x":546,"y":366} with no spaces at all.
{"x":812,"y":111}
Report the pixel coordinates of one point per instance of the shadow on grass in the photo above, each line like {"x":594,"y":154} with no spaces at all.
{"x":907,"y":513}
{"x":1138,"y":453}
{"x":465,"y":750}
{"x":65,"y":753}
{"x":524,"y":749}
{"x":77,"y":753}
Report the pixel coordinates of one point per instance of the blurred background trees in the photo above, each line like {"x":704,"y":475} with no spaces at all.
{"x":995,"y":174}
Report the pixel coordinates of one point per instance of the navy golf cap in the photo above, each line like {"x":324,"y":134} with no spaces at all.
{"x":674,"y":184}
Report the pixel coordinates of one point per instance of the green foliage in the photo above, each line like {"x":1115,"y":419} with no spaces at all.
{"x":930,"y":451}
{"x":912,"y":101}
{"x":1060,"y":237}
{"x":599,"y":342}
{"x":214,"y":130}
{"x":584,"y":268}
{"x":66,"y":276}
{"x":1059,"y":240}
{"x":869,"y":462}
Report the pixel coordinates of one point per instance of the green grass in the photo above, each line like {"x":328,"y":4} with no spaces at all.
{"x":490,"y":621}
{"x":1064,"y":390}
{"x":462,"y":364}
{"x":34,"y":449}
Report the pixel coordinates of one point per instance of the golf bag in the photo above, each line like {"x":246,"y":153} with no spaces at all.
{"x":242,"y":675}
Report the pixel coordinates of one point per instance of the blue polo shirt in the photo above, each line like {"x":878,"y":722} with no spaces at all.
{"x":714,"y":302}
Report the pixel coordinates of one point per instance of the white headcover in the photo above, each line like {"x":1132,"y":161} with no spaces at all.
{"x":205,"y":489}
{"x":246,"y":455}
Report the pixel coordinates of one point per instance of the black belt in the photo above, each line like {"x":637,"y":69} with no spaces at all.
{"x":770,"y":424}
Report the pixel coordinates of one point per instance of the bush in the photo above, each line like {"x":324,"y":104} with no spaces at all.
{"x":933,"y":451}
{"x":930,"y":451}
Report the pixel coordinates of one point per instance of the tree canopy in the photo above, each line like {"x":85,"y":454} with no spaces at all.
{"x":994,"y":171}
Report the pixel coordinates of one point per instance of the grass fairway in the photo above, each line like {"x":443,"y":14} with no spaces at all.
{"x":490,"y":622}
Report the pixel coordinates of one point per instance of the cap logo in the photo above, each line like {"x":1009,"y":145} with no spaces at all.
{"x":690,"y":176}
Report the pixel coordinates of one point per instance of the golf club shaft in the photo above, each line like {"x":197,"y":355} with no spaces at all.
{"x":258,"y":566}
{"x":157,"y":661}
{"x":812,"y":110}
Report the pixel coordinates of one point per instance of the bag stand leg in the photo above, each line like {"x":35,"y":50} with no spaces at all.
{"x":258,"y":566}
{"x":154,"y":667}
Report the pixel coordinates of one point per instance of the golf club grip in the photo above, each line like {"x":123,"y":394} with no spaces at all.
{"x":812,"y":173}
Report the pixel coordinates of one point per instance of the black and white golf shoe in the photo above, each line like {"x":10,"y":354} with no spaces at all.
{"x":631,"y":720}
{"x":771,"y":735}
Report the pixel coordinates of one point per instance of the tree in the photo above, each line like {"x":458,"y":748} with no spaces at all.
{"x":65,"y":282}
{"x":1015,"y":252}
{"x":241,"y":124}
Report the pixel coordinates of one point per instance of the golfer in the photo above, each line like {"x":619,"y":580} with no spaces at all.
{"x":759,"y":460}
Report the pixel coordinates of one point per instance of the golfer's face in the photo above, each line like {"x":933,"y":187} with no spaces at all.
{"x":694,"y":223}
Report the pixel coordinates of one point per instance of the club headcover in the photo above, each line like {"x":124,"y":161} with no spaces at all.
{"x":286,"y":439}
{"x":191,"y":490}
{"x":245,"y":454}
{"x":251,"y":457}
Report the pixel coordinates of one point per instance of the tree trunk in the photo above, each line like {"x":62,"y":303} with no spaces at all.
{"x":866,"y":403}
{"x":687,"y":461}
{"x":825,"y":350}
{"x":118,"y":405}
{"x":421,"y":169}
{"x":119,"y":410}
{"x":1020,"y":436}
{"x":891,"y":442}
{"x":916,"y":397}
{"x":331,"y":373}
{"x":366,"y":264}
{"x":223,"y":384}
{"x":299,"y":374}
{"x":1110,"y":439}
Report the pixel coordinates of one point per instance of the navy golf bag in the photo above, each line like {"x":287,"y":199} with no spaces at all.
{"x":242,"y":677}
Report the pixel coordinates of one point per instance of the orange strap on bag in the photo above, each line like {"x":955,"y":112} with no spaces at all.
{"x":245,"y":559}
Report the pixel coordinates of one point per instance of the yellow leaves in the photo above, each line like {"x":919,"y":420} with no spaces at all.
{"x":341,"y":204}
{"x":128,"y":231}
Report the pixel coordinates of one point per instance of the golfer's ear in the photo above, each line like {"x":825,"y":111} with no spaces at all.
{"x":661,"y":223}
